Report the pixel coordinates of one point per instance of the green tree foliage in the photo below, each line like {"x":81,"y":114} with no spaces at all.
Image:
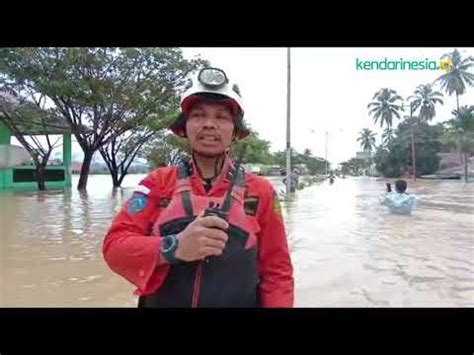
{"x":394,"y":159}
{"x":257,"y":149}
{"x":166,"y":150}
{"x":460,"y":133}
{"x":100,"y":92}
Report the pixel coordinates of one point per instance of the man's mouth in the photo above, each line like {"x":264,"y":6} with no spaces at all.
{"x":208,"y":138}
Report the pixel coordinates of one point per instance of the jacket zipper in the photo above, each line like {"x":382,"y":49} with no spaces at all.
{"x":197,"y":285}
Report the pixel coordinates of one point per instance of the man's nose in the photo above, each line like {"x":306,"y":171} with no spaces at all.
{"x":209,"y":122}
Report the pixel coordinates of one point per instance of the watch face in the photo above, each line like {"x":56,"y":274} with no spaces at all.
{"x":167,"y":243}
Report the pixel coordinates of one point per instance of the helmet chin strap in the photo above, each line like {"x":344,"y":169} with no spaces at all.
{"x":218,"y":164}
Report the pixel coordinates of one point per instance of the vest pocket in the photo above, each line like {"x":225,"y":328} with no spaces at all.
{"x":175,"y":226}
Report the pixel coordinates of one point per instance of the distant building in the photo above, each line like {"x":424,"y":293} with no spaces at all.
{"x":302,"y":169}
{"x":57,"y":173}
{"x":76,"y":167}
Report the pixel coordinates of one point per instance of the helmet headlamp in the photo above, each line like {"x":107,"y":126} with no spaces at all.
{"x":212,"y":77}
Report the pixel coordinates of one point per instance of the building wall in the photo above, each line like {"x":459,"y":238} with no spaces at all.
{"x":6,"y":175}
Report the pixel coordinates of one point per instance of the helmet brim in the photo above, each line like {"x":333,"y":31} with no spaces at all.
{"x":178,"y":127}
{"x":190,"y":101}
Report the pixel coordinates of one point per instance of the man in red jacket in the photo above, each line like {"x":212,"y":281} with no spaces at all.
{"x":178,"y":256}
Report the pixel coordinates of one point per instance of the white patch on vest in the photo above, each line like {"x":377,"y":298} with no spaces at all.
{"x":142,"y":189}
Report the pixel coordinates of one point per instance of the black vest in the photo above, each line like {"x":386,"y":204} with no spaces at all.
{"x":227,"y":280}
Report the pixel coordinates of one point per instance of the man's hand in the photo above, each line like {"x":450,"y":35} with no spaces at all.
{"x":203,"y":237}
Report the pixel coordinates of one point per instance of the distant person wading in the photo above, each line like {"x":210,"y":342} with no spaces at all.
{"x":294,"y":180}
{"x":399,"y":202}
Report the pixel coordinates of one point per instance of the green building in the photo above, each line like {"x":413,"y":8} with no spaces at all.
{"x":23,"y":177}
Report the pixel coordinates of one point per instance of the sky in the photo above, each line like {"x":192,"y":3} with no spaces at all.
{"x":328,"y":93}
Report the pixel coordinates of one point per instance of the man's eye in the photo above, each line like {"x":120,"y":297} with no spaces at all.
{"x":197,"y":114}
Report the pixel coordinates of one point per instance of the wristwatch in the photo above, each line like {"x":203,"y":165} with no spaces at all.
{"x":169,"y":244}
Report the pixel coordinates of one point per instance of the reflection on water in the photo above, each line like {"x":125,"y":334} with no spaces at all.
{"x":347,"y":250}
{"x":51,"y":247}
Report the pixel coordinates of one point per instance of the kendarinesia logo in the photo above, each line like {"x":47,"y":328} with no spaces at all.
{"x":402,"y":64}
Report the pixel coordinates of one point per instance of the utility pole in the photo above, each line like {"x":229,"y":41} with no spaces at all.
{"x":288,"y":135}
{"x":412,"y":127}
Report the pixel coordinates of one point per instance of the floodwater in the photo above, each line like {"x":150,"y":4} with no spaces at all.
{"x":347,"y":250}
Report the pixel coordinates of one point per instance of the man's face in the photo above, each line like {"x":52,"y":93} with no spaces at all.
{"x":209,"y":128}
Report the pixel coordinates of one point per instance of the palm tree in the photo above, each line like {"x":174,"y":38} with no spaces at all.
{"x":367,"y":142}
{"x":457,"y":75}
{"x":424,"y":99}
{"x":387,"y":136}
{"x":461,"y":129}
{"x":384,"y":106}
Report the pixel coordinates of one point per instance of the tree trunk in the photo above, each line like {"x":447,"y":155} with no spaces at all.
{"x":120,"y":180}
{"x":86,"y":165}
{"x":40,"y":177}
{"x":115,"y":180}
{"x":413,"y":159}
{"x":457,"y":101}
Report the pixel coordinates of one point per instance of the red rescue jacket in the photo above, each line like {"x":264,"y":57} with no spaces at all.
{"x":255,"y":268}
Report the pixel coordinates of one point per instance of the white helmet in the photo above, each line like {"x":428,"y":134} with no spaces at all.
{"x":211,"y":84}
